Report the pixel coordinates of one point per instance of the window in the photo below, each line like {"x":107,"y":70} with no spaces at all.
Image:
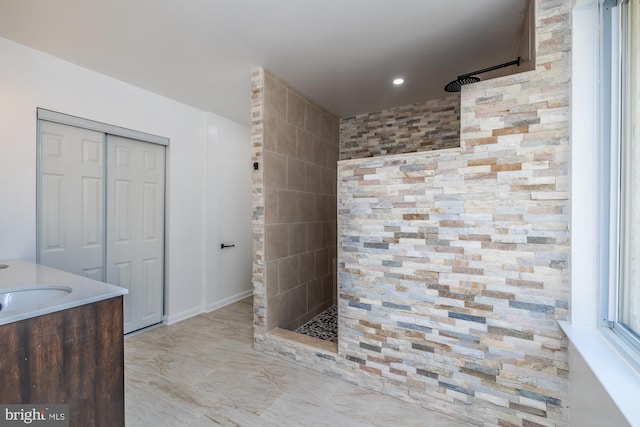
{"x":621,"y":45}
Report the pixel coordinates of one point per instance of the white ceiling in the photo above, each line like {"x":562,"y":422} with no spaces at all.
{"x":342,"y":54}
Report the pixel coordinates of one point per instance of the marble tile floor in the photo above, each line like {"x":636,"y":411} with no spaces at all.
{"x":324,"y":326}
{"x":204,"y":372}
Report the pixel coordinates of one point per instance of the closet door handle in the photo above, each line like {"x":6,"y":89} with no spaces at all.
{"x":223,"y":246}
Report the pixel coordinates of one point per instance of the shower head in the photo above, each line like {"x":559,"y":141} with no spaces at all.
{"x":456,"y":85}
{"x":465,"y":79}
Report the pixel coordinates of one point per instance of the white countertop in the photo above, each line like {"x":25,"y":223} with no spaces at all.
{"x":21,"y":274}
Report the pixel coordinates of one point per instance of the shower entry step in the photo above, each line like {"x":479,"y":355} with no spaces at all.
{"x":324,"y":326}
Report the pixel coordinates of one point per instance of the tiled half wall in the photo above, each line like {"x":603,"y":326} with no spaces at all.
{"x":429,"y":125}
{"x":453,"y":264}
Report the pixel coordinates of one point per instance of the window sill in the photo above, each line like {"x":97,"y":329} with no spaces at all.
{"x":602,"y":351}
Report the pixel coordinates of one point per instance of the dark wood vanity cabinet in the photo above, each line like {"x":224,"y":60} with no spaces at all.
{"x":73,"y":357}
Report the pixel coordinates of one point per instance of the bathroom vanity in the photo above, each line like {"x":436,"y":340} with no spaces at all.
{"x":62,"y":343}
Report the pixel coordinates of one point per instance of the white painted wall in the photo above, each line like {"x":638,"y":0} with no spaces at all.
{"x":228,"y":212}
{"x":31,"y":79}
{"x":591,"y":405}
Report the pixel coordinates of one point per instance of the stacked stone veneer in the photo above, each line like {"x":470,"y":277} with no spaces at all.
{"x":299,"y":158}
{"x":453,"y":263}
{"x":257,"y":202}
{"x":430,"y":125}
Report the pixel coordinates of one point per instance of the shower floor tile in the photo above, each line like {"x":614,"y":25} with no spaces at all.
{"x":324,"y":326}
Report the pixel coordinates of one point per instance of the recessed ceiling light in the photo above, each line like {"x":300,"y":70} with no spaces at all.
{"x":398,"y":81}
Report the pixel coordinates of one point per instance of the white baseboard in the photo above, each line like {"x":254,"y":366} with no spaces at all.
{"x":226,"y":301}
{"x":175,"y":318}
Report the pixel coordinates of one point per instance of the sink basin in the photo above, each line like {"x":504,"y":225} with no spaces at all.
{"x":30,"y":297}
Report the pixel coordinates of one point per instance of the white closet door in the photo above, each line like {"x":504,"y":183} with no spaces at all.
{"x":71,"y":199}
{"x":135,"y":227}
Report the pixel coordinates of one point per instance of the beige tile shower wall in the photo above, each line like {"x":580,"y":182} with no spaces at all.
{"x":430,"y":125}
{"x":300,"y":161}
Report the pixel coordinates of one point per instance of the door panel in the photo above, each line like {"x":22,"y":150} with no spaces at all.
{"x":53,"y":230}
{"x":121,"y":276}
{"x":71,"y":201}
{"x":151,"y":193}
{"x":92,"y":227}
{"x":150,"y":297}
{"x":121,"y":201}
{"x":135,"y":183}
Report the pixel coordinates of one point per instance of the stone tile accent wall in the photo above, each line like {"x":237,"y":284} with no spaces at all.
{"x":300,"y":157}
{"x":430,"y":125}
{"x":453,"y":263}
{"x":257,"y":201}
